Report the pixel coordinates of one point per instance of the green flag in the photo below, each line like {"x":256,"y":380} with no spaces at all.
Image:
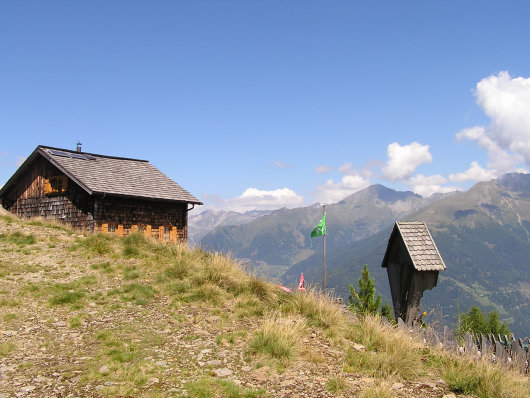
{"x":320,"y":229}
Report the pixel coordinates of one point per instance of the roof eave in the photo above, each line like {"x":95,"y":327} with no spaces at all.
{"x":20,"y":171}
{"x":390,"y":240}
{"x":147,"y":198}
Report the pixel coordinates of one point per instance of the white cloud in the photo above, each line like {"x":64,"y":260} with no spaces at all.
{"x":427,"y":185}
{"x":501,"y":161}
{"x":403,"y":160}
{"x":281,"y":165}
{"x":346,"y":168}
{"x":506,"y":101}
{"x":475,"y":173}
{"x":332,"y":192}
{"x":323,"y":169}
{"x":256,"y":199}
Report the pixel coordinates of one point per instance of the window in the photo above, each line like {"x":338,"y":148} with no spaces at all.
{"x":111,"y":228}
{"x":167,"y":231}
{"x":55,"y":185}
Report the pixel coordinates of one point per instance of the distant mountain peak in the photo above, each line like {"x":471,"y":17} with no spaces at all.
{"x":384,"y":194}
{"x":516,"y":182}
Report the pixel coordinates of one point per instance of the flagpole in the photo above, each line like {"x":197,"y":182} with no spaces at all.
{"x":324,"y":258}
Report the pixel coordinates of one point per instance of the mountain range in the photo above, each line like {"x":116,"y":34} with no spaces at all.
{"x":483,"y":235}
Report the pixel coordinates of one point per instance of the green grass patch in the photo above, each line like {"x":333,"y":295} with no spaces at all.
{"x":336,"y":384}
{"x":9,"y":302}
{"x":105,"y":267}
{"x":130,"y":273}
{"x":95,"y":244}
{"x":10,"y":316}
{"x":6,"y":349}
{"x":18,"y":238}
{"x":71,"y":292}
{"x":389,"y":351}
{"x":214,"y":388}
{"x":483,"y":380}
{"x":278,"y":337}
{"x":138,"y":293}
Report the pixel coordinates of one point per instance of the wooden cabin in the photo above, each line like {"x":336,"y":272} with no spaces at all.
{"x":412,"y":261}
{"x":99,"y":193}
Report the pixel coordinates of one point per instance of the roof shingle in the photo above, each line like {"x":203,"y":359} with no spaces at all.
{"x":119,"y":176}
{"x":420,"y":246}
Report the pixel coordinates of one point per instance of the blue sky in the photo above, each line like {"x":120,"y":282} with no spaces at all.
{"x":252,"y":104}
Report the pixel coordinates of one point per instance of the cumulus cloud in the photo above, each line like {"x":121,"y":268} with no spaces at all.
{"x":475,"y":173}
{"x":403,"y":160}
{"x":332,"y":192}
{"x":427,"y":185}
{"x":323,"y":169}
{"x":506,"y":101}
{"x":256,"y":199}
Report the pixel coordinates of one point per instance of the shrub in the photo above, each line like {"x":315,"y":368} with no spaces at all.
{"x":278,"y":336}
{"x":483,"y":379}
{"x":389,"y":351}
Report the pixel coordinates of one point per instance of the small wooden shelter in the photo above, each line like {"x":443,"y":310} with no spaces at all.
{"x":99,"y":193}
{"x":412,"y":261}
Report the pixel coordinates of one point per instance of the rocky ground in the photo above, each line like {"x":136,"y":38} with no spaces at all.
{"x":69,"y":328}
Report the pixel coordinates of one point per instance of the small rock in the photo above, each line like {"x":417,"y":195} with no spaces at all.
{"x":104,"y":370}
{"x":28,"y":388}
{"x":162,"y":363}
{"x":100,"y":387}
{"x":359,"y":347}
{"x":246,"y":368}
{"x":9,"y":332}
{"x":153,"y":380}
{"x":397,"y":386}
{"x":262,"y":374}
{"x":222,"y":372}
{"x":40,"y":379}
{"x":288,"y":382}
{"x":75,"y":379}
{"x":59,"y":324}
{"x":56,"y":374}
{"x":214,"y":362}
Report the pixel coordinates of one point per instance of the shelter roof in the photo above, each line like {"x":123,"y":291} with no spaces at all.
{"x":111,"y":175}
{"x":419,"y":243}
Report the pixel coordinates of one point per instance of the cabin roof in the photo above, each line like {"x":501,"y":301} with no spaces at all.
{"x":110,"y":175}
{"x":419,"y":243}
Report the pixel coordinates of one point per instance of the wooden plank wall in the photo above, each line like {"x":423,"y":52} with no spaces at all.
{"x":73,"y":207}
{"x":130,"y":213}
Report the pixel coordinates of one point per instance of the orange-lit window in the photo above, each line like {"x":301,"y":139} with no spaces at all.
{"x":55,"y":185}
{"x":111,"y":228}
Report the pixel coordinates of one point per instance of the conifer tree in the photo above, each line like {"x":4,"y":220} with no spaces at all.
{"x":365,"y":300}
{"x":474,"y":321}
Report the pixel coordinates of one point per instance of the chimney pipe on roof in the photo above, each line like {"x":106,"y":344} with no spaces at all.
{"x":78,"y":149}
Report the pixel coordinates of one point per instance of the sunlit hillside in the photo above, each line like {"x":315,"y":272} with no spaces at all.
{"x":100,"y":316}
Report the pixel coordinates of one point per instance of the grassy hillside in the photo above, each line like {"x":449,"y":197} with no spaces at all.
{"x":99,"y":316}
